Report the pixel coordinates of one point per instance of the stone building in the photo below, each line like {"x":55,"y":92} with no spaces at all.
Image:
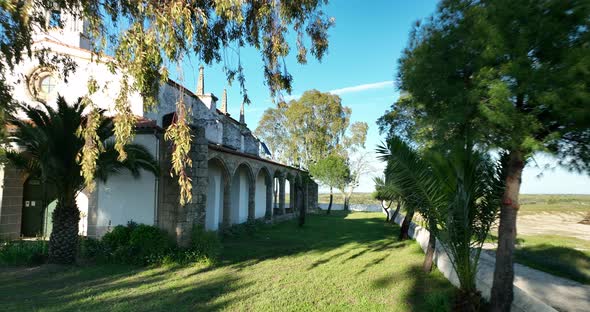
{"x":233,"y":180}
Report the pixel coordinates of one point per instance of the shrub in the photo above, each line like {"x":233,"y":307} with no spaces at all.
{"x":247,"y":228}
{"x":118,"y":236}
{"x":149,"y":244}
{"x":91,"y":249}
{"x":28,"y":253}
{"x":205,"y":243}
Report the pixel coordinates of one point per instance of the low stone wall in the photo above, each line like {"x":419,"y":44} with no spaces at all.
{"x":523,"y":302}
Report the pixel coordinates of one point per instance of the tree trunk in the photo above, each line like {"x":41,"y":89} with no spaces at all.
{"x":346,"y":199}
{"x":403,"y":234}
{"x":502,"y":288}
{"x":63,"y":241}
{"x":396,"y":212}
{"x":429,"y":258}
{"x":386,"y":210}
{"x":330,"y":204}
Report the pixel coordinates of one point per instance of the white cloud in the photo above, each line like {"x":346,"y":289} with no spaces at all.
{"x":363,"y":87}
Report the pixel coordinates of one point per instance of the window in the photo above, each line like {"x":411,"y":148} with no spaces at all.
{"x":55,"y":19}
{"x":48,"y":85}
{"x":42,"y":84}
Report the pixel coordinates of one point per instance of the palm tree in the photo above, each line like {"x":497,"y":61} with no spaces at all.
{"x":458,"y":191}
{"x":48,"y":146}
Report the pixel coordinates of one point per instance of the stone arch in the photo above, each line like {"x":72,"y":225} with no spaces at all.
{"x":242,"y":194}
{"x":263,"y":196}
{"x":218,"y":194}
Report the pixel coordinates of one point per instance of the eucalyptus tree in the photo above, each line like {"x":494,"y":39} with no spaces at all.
{"x":512,"y":74}
{"x":48,"y":147}
{"x":144,"y":39}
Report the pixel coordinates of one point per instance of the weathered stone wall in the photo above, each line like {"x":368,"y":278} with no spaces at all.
{"x":232,"y":136}
{"x":193,"y":213}
{"x":251,"y":145}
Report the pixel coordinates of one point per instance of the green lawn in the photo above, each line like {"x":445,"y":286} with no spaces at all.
{"x":357,"y":198}
{"x":562,"y":256}
{"x":335,"y":263}
{"x":539,"y":203}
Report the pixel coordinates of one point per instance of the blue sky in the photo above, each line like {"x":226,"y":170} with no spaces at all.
{"x":360,"y":66}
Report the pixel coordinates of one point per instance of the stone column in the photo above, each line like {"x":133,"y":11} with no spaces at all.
{"x":92,"y":217}
{"x":11,"y":202}
{"x":193,"y":213}
{"x":269,"y":187}
{"x":306,"y":196}
{"x":226,"y":222}
{"x":282,"y":194}
{"x":252,"y":200}
{"x":292,"y":197}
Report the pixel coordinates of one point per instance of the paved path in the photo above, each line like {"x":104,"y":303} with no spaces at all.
{"x":560,"y":293}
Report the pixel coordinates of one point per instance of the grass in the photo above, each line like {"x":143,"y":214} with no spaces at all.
{"x":342,"y":262}
{"x":558,"y":255}
{"x":536,"y":203}
{"x":356,"y":198}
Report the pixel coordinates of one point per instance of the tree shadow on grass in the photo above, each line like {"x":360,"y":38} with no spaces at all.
{"x":561,"y":261}
{"x":321,"y":233}
{"x":119,"y":288}
{"x":123,"y":288}
{"x":427,"y":292}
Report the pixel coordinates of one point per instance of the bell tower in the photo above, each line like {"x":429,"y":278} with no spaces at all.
{"x":66,"y":28}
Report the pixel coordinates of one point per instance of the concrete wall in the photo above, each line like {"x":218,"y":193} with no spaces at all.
{"x":239,"y":196}
{"x":214,"y":212}
{"x":260,"y":199}
{"x":124,"y":198}
{"x":523,"y":302}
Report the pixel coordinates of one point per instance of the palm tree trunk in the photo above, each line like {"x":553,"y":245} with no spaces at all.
{"x":429,"y":258}
{"x":502,"y":288}
{"x":63,"y":241}
{"x":331,"y":198}
{"x":403,"y":234}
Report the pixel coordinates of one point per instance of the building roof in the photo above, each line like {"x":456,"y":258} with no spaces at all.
{"x":246,"y":155}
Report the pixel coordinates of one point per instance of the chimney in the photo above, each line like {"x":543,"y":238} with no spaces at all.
{"x":224,"y":102}
{"x":242,"y":119}
{"x":201,"y":81}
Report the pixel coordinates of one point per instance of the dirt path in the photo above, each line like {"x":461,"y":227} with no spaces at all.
{"x":563,"y":224}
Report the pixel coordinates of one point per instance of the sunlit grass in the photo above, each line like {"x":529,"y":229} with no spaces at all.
{"x":335,"y":263}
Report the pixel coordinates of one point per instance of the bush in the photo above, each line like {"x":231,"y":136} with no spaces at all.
{"x":27,"y":253}
{"x":91,"y":249}
{"x":119,"y":236}
{"x":141,"y":244}
{"x":248,"y":228}
{"x":149,"y":244}
{"x":205,"y":243}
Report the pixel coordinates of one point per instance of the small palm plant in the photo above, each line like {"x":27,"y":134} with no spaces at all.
{"x":48,"y":147}
{"x":458,"y":191}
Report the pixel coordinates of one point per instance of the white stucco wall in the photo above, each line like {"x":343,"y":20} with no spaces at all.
{"x":260,"y":198}
{"x":76,"y":85}
{"x":123,"y":198}
{"x":239,"y":197}
{"x":214,"y":212}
